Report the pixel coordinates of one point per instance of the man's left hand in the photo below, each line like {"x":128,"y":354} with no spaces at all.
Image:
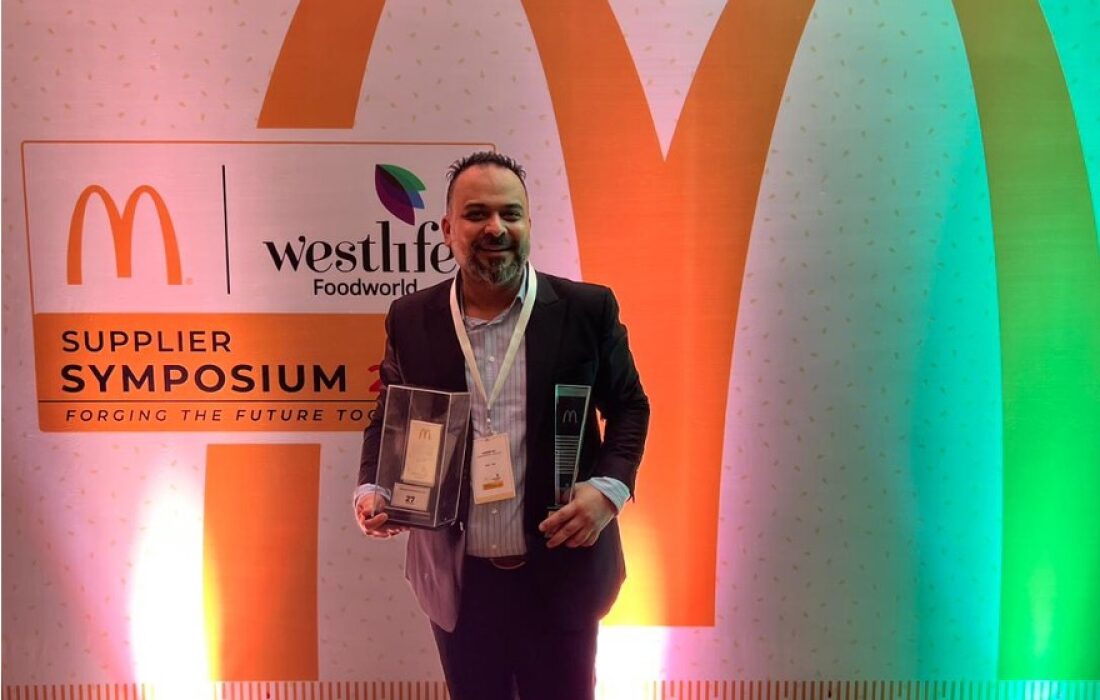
{"x":579,"y":523}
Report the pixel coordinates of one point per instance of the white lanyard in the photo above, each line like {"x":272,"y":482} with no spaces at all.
{"x":513,"y":344}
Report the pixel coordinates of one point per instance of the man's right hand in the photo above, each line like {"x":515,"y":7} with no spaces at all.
{"x":372,"y":519}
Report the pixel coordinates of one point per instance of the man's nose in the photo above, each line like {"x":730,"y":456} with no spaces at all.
{"x":495,"y":225}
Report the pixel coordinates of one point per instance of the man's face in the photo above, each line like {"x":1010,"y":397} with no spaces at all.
{"x":487,"y":225}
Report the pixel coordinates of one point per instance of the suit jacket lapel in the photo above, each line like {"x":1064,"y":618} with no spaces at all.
{"x":543,"y":337}
{"x":442,"y":343}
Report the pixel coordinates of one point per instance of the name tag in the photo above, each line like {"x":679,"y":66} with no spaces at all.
{"x":491,"y":474}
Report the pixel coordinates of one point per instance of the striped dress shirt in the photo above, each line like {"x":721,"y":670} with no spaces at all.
{"x":496,"y":529}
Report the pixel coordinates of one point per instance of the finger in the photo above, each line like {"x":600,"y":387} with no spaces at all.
{"x":565,"y":533}
{"x":383,"y":533}
{"x":579,"y":538}
{"x":375,"y":522}
{"x":551,"y":524}
{"x":585,"y":536}
{"x":376,"y":527}
{"x":557,"y":519}
{"x":365,"y":509}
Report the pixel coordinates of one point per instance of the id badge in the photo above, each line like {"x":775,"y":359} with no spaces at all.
{"x":491,"y":474}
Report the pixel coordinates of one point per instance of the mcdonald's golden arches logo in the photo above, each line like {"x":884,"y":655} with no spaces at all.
{"x":122,"y":233}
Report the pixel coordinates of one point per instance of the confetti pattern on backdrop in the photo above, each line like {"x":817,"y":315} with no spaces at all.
{"x":860,"y":517}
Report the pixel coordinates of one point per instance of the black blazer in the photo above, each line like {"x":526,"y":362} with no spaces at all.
{"x":574,"y":337}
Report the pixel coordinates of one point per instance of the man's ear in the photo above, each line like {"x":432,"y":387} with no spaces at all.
{"x":445,"y":223}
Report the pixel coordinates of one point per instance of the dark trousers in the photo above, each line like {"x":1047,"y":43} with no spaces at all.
{"x":505,"y":641}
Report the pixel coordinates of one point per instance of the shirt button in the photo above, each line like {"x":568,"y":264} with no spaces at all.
{"x":492,"y":358}
{"x":492,"y":546}
{"x":495,"y":511}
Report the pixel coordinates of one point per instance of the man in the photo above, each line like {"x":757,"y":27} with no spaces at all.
{"x":514,"y":591}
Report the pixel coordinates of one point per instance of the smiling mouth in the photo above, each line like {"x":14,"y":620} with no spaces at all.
{"x":495,"y":247}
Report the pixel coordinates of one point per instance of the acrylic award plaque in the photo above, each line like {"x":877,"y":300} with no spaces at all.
{"x":422,"y":455}
{"x":570,"y":413}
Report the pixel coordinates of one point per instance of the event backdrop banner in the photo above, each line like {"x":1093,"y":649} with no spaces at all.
{"x":855,"y":245}
{"x":268,"y":319}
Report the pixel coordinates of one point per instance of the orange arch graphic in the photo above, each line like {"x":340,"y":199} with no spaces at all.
{"x":122,"y":233}
{"x":670,"y":235}
{"x":676,"y":256}
{"x":320,"y":68}
{"x":261,"y":602}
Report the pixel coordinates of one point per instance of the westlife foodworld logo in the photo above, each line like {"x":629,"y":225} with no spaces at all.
{"x":387,"y":261}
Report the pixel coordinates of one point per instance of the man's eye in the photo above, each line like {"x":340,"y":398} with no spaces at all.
{"x":512,"y":216}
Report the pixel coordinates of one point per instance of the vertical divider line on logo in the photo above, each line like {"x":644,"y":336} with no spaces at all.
{"x":225,"y":219}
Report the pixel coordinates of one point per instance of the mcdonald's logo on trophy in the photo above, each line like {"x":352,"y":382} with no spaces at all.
{"x":122,"y":233}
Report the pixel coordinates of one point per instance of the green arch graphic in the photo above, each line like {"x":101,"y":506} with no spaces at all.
{"x":1048,"y":276}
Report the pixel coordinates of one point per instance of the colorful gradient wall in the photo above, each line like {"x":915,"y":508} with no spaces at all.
{"x":855,"y":244}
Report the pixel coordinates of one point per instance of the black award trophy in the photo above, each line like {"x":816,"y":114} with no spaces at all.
{"x":570,"y":413}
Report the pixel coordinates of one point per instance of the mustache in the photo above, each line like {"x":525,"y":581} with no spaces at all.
{"x":489,"y":242}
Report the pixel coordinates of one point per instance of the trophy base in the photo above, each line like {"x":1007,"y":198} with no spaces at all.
{"x":417,"y":521}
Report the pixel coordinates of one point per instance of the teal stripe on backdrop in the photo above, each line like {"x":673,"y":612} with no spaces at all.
{"x":1075,"y":28}
{"x":866,"y":387}
{"x":1048,"y":269}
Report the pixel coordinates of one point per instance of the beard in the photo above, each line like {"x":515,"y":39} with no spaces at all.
{"x":497,"y":270}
